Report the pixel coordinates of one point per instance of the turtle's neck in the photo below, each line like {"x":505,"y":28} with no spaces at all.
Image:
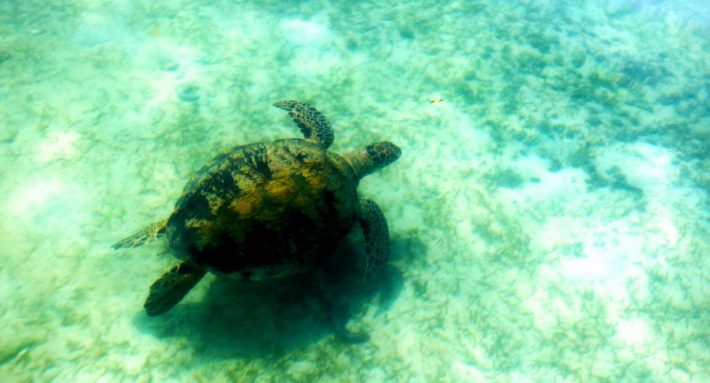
{"x":360,"y":163}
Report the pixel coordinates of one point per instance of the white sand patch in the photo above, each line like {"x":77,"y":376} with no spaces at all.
{"x":468,"y":373}
{"x":97,"y":28}
{"x":663,"y":229}
{"x":312,"y":47}
{"x":315,"y":62}
{"x":163,"y":86}
{"x":58,"y":145}
{"x":599,"y":264}
{"x":165,"y":66}
{"x":646,"y":166}
{"x":592,"y":253}
{"x":50,"y":205}
{"x":306,"y":32}
{"x":635,"y":332}
{"x":553,"y":191}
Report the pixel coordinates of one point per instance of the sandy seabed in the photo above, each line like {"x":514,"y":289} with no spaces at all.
{"x":549,"y":215}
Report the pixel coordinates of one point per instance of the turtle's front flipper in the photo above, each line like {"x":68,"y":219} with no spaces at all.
{"x":145,"y":235}
{"x":377,"y":239}
{"x":310,"y":121}
{"x":171,"y":287}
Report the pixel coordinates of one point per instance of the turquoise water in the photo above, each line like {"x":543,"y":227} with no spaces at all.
{"x":549,"y":214}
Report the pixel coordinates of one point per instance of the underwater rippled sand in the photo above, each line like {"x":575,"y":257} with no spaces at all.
{"x":549,"y":216}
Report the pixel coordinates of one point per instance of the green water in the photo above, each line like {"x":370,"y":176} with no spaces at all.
{"x":549,"y":214}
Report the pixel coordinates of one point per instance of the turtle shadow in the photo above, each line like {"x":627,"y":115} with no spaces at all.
{"x":407,"y":249}
{"x":269,"y":319}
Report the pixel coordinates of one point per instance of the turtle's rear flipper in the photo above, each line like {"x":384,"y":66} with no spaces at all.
{"x":171,"y":287}
{"x":346,"y":336}
{"x":339,"y":315}
{"x":147,"y":234}
{"x":377,"y":240}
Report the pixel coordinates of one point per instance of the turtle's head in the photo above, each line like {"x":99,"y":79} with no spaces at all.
{"x":382,"y":154}
{"x":373,"y":157}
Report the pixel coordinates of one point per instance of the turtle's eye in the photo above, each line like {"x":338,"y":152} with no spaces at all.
{"x":383,"y":153}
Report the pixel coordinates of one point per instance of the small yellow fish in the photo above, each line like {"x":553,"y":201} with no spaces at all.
{"x":436,"y":100}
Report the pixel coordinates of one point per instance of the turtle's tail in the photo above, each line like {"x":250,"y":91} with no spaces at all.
{"x":145,"y":235}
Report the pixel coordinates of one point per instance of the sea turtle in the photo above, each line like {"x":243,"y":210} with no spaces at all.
{"x":270,"y":210}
